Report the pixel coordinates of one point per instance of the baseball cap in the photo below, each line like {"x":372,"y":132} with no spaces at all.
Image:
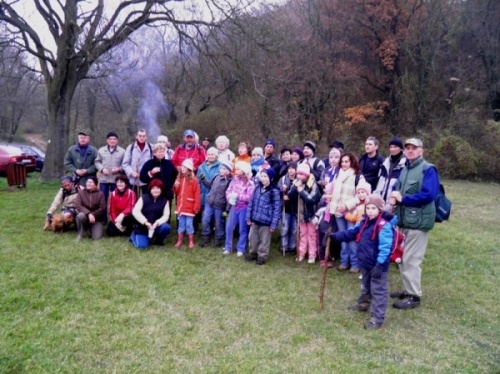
{"x":414,"y":141}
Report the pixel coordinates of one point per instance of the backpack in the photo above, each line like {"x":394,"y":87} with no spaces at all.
{"x":443,"y":204}
{"x":398,"y":239}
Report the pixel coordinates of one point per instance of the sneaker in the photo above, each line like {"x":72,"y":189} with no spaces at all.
{"x":260,"y":262}
{"x":329,"y":264}
{"x":359,"y":307}
{"x":354,"y":270}
{"x":342,"y":268}
{"x":239,"y":254}
{"x":397,"y":295}
{"x":409,"y":302}
{"x":251,"y":257}
{"x":299,"y":259}
{"x":78,"y":238}
{"x":226,"y":252}
{"x":370,"y":325}
{"x":311,"y":261}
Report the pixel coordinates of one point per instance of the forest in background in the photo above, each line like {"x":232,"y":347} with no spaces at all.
{"x":303,"y":70}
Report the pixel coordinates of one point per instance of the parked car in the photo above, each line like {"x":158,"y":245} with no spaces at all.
{"x":31,"y":150}
{"x":11,"y":154}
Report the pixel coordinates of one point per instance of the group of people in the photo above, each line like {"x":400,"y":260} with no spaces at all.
{"x":354,"y":202}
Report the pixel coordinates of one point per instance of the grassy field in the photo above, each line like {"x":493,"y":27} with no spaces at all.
{"x":105,"y":307}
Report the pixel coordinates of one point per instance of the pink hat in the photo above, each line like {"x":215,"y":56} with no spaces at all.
{"x":365,"y":186}
{"x":304,"y":169}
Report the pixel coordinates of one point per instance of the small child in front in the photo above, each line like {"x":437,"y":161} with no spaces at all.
{"x":374,"y":235}
{"x":263,"y":216}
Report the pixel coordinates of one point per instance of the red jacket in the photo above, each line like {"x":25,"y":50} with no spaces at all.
{"x":197,"y":154}
{"x":121,"y":204}
{"x":187,"y":190}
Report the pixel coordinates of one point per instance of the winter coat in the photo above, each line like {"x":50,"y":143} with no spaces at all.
{"x":264,"y":208}
{"x":309,"y":197}
{"x":67,"y":198}
{"x":121,"y":203}
{"x":344,"y":192}
{"x":355,"y":215}
{"x":371,"y":251}
{"x":73,"y":161}
{"x":94,"y":202}
{"x":167,"y":175}
{"x":226,"y":155}
{"x":134,"y":160}
{"x":209,"y":172}
{"x":243,"y":188}
{"x":370,"y":168}
{"x":188,"y":201}
{"x":317,"y":166}
{"x":216,"y":197}
{"x":390,"y":171}
{"x":196,"y":153}
{"x":107,"y":159}
{"x":291,"y":205}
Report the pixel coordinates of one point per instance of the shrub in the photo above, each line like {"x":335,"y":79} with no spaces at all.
{"x":455,"y":158}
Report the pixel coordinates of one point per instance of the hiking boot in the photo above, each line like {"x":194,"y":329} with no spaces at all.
{"x":409,"y":302}
{"x":354,"y":270}
{"x":371,"y":325}
{"x":205,"y":242}
{"x":397,"y":295}
{"x":342,"y":268}
{"x":251,"y":257}
{"x":217,"y":243}
{"x":329,"y":264}
{"x":322,"y":263}
{"x":260,"y":262}
{"x":363,"y":307}
{"x":180,"y":238}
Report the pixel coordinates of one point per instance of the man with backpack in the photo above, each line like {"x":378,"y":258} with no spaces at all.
{"x":414,"y":198}
{"x":134,"y":159}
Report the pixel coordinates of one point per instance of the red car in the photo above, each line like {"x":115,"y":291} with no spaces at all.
{"x":11,"y":154}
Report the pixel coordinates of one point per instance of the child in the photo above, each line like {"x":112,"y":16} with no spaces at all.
{"x":215,"y":206}
{"x":290,"y":206}
{"x":258,"y":162}
{"x":307,"y":189}
{"x":263,"y":215}
{"x":238,"y":195}
{"x":362,"y":191}
{"x":188,"y":202}
{"x":374,"y":235}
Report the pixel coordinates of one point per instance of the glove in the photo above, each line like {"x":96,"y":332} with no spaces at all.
{"x":49,"y":217}
{"x":202,"y":177}
{"x":376,"y":272}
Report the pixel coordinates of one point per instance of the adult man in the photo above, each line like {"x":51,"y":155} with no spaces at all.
{"x":189,"y":149}
{"x":205,"y":143}
{"x":370,"y":162}
{"x":315,"y":164}
{"x":390,"y":170}
{"x":271,"y":158}
{"x":414,"y":196}
{"x":108,"y":163}
{"x":66,"y":196}
{"x":79,"y":159}
{"x":135,"y":157}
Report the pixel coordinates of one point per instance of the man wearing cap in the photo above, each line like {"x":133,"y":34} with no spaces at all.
{"x":135,"y":157}
{"x":205,"y":143}
{"x":390,"y":170}
{"x":371,"y":161}
{"x":189,"y":149}
{"x":79,"y":160}
{"x":271,"y":158}
{"x":316,"y":165}
{"x":108,"y":163}
{"x":169,"y":152}
{"x":413,"y":196}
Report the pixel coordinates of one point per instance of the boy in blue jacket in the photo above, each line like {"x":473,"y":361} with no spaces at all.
{"x":374,"y":235}
{"x":263,"y":215}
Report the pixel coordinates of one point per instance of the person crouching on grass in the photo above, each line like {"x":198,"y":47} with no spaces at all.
{"x":263,"y":215}
{"x":188,"y":202}
{"x":374,"y":235}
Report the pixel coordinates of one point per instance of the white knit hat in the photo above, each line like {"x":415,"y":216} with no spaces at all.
{"x":244,"y":167}
{"x":188,"y":163}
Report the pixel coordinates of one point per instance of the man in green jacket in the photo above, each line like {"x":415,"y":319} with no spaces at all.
{"x":80,"y":159}
{"x":413,"y":197}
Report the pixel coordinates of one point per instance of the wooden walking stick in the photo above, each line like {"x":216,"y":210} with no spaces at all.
{"x":325,"y":270}
{"x":283,"y":218}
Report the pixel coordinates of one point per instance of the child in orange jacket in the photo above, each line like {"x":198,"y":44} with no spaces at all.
{"x":188,"y":202}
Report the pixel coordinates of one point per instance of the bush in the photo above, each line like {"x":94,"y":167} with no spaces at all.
{"x":455,"y":158}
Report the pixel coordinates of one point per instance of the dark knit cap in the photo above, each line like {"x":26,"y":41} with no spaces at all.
{"x":298,"y":150}
{"x":112,"y":133}
{"x":397,"y":142}
{"x":93,"y":178}
{"x":310,"y":145}
{"x":270,"y":141}
{"x":337,"y":144}
{"x":270,"y":173}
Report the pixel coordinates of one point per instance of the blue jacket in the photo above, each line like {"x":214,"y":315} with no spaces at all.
{"x":371,"y":251}
{"x":265,"y":206}
{"x":210,"y":172}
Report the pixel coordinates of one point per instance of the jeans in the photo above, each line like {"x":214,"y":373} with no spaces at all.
{"x":236,"y":217}
{"x":106,"y":189}
{"x":208,"y":213}
{"x":186,"y":225}
{"x":289,"y":232}
{"x":348,"y":251}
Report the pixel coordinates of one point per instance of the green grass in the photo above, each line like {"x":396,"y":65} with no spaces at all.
{"x":106,"y":307}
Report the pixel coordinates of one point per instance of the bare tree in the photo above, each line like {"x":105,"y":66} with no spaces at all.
{"x":81,"y":34}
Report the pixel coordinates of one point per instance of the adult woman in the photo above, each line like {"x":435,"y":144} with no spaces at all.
{"x":222,"y":144}
{"x":121,"y":202}
{"x":91,"y":206}
{"x":297,"y":155}
{"x":152,"y":212}
{"x":343,"y":200}
{"x":159,"y":168}
{"x":244,"y":154}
